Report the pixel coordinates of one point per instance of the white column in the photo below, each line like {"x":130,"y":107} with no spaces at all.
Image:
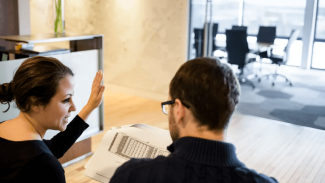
{"x":24,"y":17}
{"x":308,"y":33}
{"x":206,"y":29}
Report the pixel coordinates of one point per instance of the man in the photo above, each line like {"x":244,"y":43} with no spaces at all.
{"x":202,"y":97}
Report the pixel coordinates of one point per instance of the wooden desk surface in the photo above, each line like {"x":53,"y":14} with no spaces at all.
{"x":287,"y":152}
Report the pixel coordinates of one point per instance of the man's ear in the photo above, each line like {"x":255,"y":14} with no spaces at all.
{"x":179,"y":110}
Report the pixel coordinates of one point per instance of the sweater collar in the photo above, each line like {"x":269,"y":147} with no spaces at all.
{"x":203,"y":151}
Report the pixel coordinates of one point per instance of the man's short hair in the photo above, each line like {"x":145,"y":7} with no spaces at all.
{"x":209,"y":88}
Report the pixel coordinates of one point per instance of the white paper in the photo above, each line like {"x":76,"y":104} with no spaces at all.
{"x":122,"y":143}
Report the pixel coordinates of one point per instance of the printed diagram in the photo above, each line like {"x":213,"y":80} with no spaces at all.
{"x":129,"y":147}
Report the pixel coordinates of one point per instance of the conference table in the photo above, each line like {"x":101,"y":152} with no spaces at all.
{"x":253,"y":46}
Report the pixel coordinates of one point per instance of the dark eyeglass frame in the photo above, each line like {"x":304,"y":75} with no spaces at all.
{"x":171,"y":102}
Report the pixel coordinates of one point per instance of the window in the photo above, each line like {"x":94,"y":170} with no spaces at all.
{"x":284,"y":14}
{"x":197,"y":20}
{"x":225,"y":13}
{"x":318,"y":60}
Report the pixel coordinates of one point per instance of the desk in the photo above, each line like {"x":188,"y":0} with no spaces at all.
{"x":253,"y":47}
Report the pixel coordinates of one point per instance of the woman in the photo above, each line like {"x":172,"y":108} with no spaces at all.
{"x":42,"y":89}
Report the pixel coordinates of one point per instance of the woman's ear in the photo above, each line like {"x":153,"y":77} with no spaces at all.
{"x":34,"y":107}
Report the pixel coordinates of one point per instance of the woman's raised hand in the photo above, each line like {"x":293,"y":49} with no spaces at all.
{"x":96,"y":96}
{"x":97,"y":91}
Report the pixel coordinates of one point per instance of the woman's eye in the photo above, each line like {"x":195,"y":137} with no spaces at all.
{"x":66,"y":100}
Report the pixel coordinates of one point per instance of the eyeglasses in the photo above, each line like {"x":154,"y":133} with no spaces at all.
{"x":165,"y":106}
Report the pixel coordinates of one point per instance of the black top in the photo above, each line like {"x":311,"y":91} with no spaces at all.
{"x":37,"y":161}
{"x":191,"y":160}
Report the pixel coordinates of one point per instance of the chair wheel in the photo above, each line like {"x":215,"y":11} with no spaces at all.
{"x":290,"y":84}
{"x":259,"y":80}
{"x":272,"y":84}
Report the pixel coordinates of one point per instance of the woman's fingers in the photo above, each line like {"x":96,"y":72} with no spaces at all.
{"x":100,"y":95}
{"x":98,"y":88}
{"x":97,"y":82}
{"x":95,"y":78}
{"x":97,"y":91}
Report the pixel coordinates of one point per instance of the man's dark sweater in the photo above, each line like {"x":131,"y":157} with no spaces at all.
{"x":191,"y":160}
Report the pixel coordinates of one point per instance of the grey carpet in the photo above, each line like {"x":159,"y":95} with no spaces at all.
{"x":301,"y":104}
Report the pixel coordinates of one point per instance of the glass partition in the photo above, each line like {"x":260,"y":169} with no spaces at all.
{"x":318,"y":60}
{"x":285,"y":15}
{"x":197,"y":20}
{"x":225,"y":13}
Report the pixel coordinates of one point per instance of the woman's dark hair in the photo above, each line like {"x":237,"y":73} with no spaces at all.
{"x":209,"y":88}
{"x":35,"y":82}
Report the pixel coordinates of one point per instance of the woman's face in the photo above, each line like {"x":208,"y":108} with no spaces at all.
{"x":55,"y":115}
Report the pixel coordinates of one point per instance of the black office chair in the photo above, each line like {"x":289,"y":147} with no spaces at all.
{"x":279,"y":60}
{"x":237,"y":48}
{"x":198,"y":42}
{"x":237,"y":27}
{"x":266,"y":34}
{"x":214,"y":34}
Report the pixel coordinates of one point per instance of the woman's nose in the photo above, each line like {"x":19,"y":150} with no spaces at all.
{"x":72,"y":107}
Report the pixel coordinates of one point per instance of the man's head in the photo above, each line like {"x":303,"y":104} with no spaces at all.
{"x":206,"y":92}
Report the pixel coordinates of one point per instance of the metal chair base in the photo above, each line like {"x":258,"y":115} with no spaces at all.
{"x":245,"y":80}
{"x":274,"y":78}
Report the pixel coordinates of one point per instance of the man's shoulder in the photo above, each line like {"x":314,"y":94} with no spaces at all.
{"x":135,"y":164}
{"x":135,"y":170}
{"x":246,"y":173}
{"x":142,"y":170}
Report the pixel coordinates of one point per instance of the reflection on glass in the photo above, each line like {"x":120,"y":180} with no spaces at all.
{"x":285,"y":15}
{"x":318,"y":60}
{"x":318,"y":56}
{"x":198,"y":8}
{"x":225,"y":13}
{"x":320,"y":26}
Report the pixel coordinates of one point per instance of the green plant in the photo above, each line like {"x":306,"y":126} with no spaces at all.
{"x":58,"y":19}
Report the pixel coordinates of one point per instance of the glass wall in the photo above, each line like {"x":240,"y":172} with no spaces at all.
{"x":225,"y":13}
{"x":318,"y":61}
{"x":197,"y":20}
{"x":285,"y":15}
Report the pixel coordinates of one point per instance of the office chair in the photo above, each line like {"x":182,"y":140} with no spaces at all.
{"x":198,"y":42}
{"x":279,"y":60}
{"x":214,"y":34}
{"x":237,"y":48}
{"x":237,"y":27}
{"x":266,"y":34}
